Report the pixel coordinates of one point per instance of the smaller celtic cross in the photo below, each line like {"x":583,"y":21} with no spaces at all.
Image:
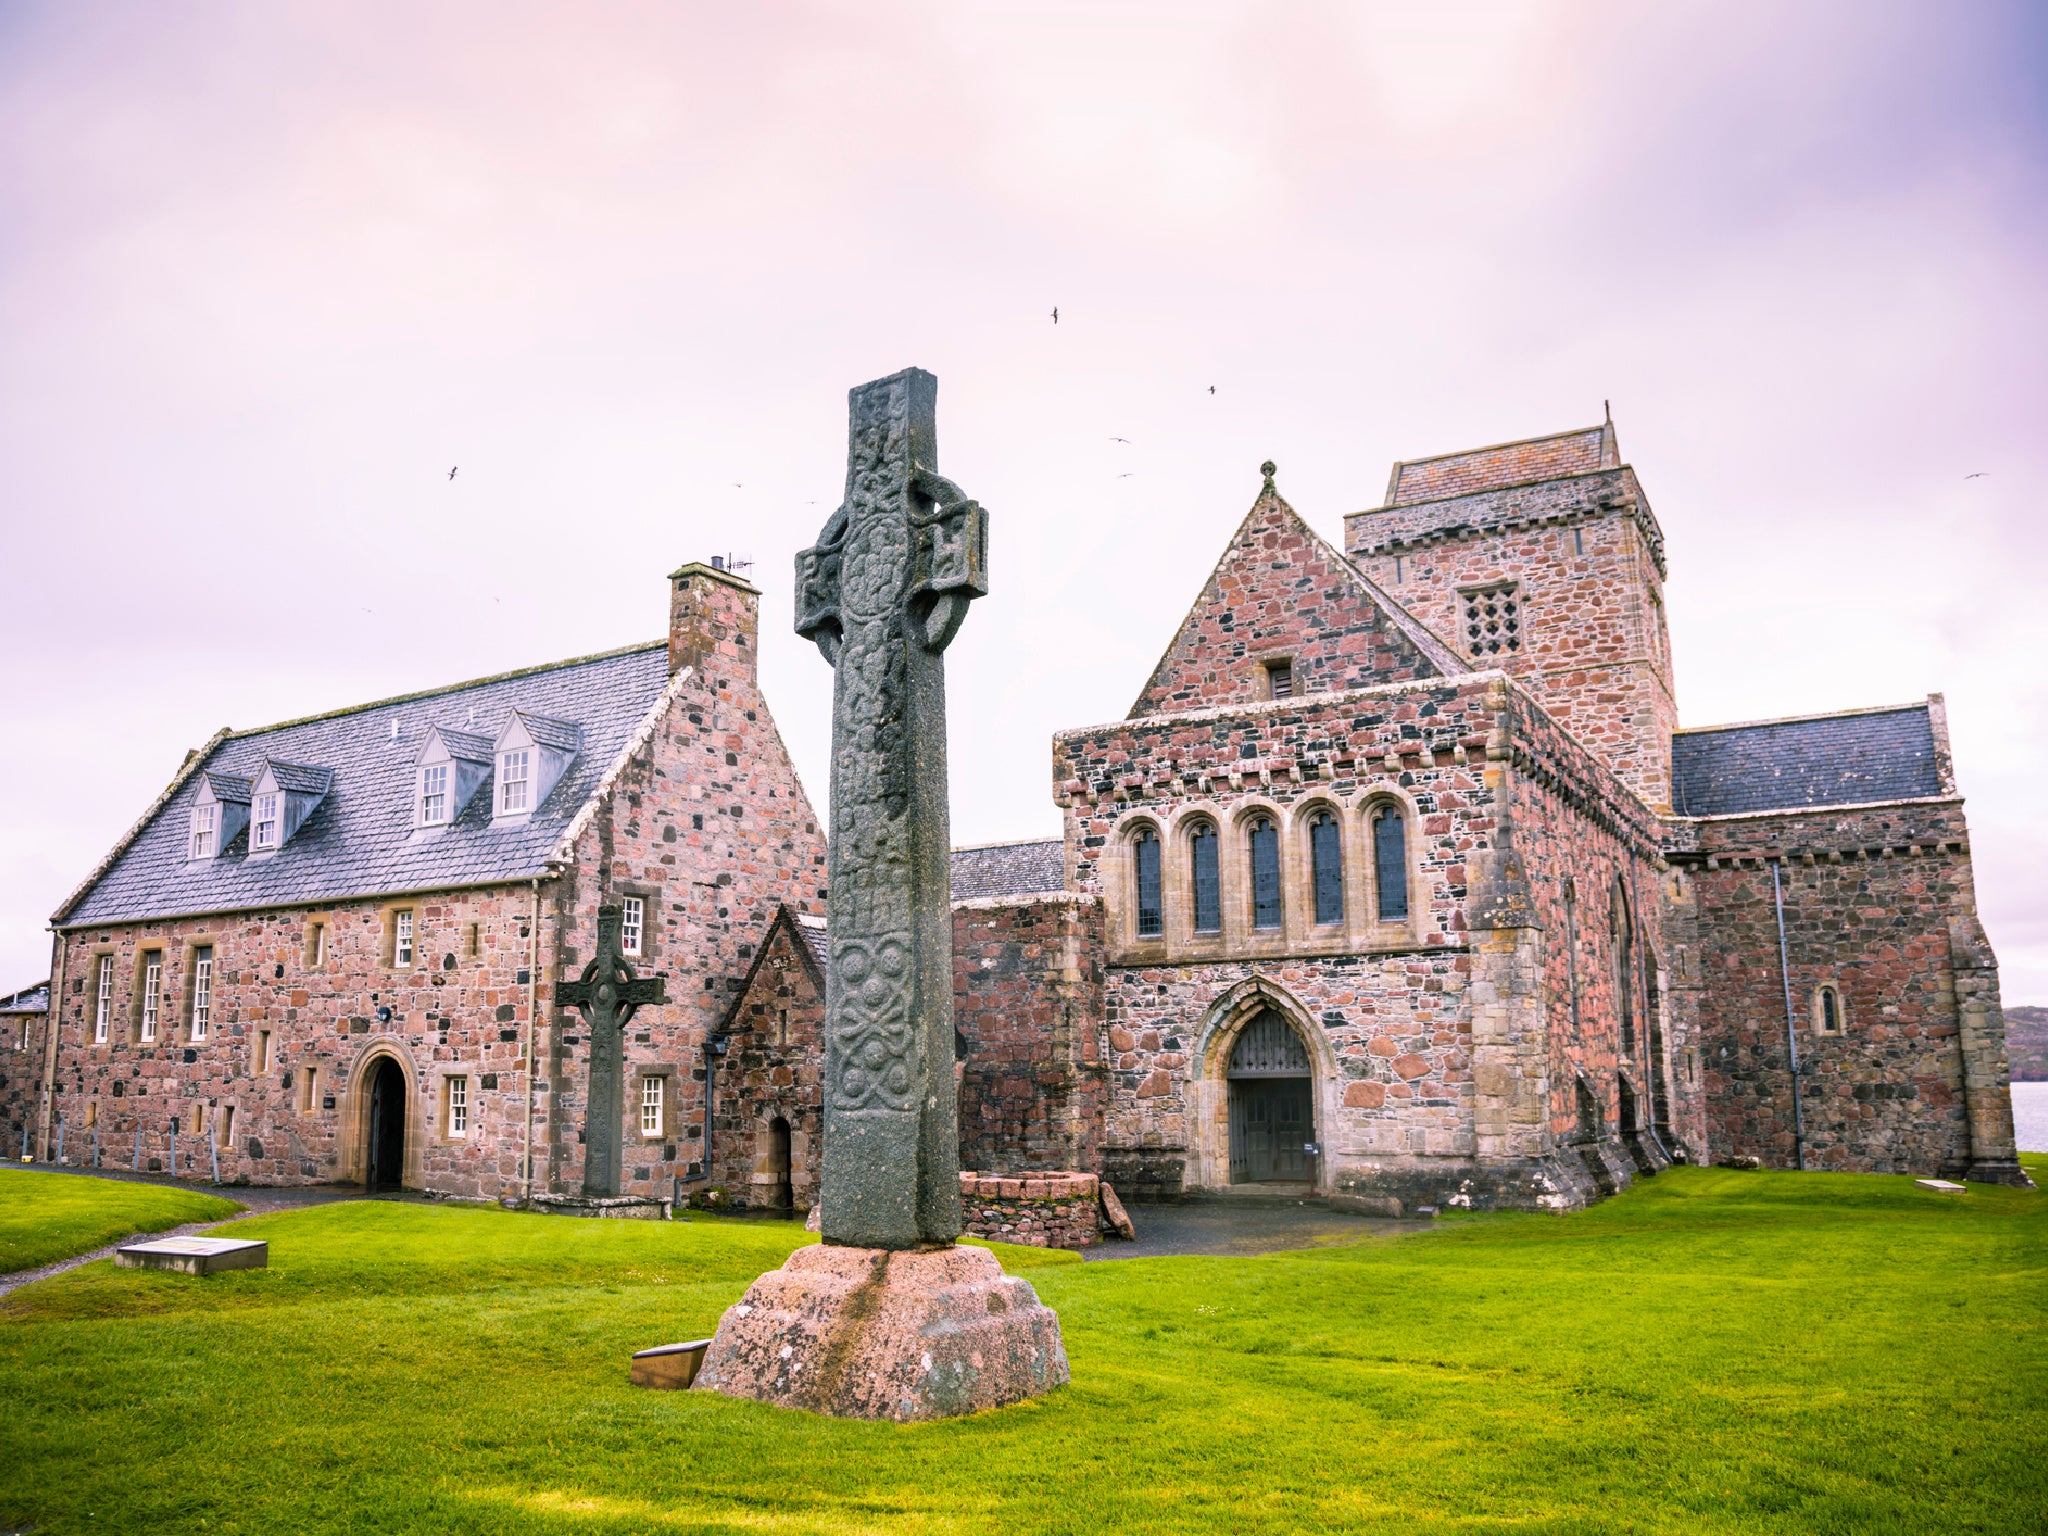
{"x":607,"y":996}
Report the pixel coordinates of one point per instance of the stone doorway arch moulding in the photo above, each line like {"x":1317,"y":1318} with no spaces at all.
{"x":353,"y":1156}
{"x":1208,"y":1092}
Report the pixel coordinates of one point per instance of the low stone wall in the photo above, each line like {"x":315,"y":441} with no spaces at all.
{"x":1042,"y":1210}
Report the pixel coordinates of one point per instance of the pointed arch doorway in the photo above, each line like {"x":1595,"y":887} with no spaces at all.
{"x":1272,"y":1104}
{"x":384,"y":1163}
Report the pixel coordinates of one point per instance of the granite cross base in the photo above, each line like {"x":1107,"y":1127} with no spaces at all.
{"x":873,"y":1333}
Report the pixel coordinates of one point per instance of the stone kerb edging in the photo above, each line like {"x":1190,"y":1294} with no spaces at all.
{"x":1041,"y":1210}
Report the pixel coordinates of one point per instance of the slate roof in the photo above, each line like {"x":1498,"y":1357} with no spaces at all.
{"x":1870,"y":755}
{"x":35,"y":999}
{"x":1009,"y":869}
{"x":360,"y":840}
{"x":812,"y":929}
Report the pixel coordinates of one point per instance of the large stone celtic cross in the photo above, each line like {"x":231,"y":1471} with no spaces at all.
{"x":882,"y":594}
{"x":607,"y":996}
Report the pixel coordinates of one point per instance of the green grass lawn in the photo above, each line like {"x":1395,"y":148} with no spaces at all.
{"x":49,"y":1216}
{"x":1712,"y":1352}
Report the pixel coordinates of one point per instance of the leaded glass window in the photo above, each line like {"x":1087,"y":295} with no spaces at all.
{"x":1390,"y":864}
{"x":1326,"y":855}
{"x":1145,"y":865}
{"x":1208,"y":885}
{"x":1265,"y":873}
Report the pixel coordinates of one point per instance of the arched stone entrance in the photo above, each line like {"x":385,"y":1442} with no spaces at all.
{"x":1224,"y":1092}
{"x":380,"y":1136}
{"x":1272,"y":1104}
{"x":384,"y":1136}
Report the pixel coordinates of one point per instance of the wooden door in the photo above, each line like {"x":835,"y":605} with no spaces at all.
{"x":1272,"y":1122}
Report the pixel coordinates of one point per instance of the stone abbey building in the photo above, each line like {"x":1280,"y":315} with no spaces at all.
{"x":1399,"y":880}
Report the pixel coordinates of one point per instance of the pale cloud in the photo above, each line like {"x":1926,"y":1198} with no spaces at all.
{"x":267,"y":271}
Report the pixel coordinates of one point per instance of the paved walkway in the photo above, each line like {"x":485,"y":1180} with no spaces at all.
{"x":1226,"y":1227}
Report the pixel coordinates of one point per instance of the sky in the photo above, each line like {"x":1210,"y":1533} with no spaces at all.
{"x":268,"y":271}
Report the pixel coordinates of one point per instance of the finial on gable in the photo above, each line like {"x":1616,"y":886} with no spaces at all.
{"x":1268,"y":469}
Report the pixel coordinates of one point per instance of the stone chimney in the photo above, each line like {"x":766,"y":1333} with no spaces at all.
{"x":714,"y":623}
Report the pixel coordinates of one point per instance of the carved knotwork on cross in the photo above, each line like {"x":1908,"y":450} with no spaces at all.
{"x":882,"y":594}
{"x":607,"y":996}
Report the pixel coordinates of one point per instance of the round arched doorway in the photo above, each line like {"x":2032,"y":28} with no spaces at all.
{"x":1272,"y":1104}
{"x":384,"y":1138}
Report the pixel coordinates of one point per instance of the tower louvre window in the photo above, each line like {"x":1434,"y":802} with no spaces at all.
{"x":1280,"y":679}
{"x":1145,"y":864}
{"x":1493,"y":620}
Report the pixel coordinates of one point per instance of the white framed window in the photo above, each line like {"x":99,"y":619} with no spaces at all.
{"x":263,"y":830}
{"x":205,"y":823}
{"x":202,"y":991}
{"x":103,"y":1000}
{"x":401,"y":937}
{"x":515,"y":783}
{"x":650,"y":1106}
{"x":632,"y":920}
{"x":152,"y":985}
{"x":458,"y":1106}
{"x":434,"y":795}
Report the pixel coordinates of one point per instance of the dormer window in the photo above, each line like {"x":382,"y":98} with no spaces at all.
{"x":434,"y":795}
{"x":452,"y":765}
{"x":532,"y":752}
{"x":514,"y":782}
{"x":283,"y":797}
{"x":219,"y":812}
{"x":264,"y":823}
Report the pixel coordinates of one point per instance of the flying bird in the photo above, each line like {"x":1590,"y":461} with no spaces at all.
{"x":451,"y":473}
{"x":1212,"y":389}
{"x":1127,"y":474}
{"x":1055,"y":314}
{"x":1979,"y":475}
{"x":1119,"y":439}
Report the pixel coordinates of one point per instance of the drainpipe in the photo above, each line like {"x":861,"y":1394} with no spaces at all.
{"x":52,"y":1027}
{"x":1791,"y":1026}
{"x":532,"y":1021}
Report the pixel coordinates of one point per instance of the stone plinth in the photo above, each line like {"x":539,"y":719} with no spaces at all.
{"x":612,"y":1207}
{"x":1043,"y":1210}
{"x":195,"y":1255}
{"x":866,"y":1333}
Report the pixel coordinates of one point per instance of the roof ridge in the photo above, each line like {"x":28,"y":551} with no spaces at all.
{"x":1008,"y":842}
{"x":1826,"y":714}
{"x":428,"y":693}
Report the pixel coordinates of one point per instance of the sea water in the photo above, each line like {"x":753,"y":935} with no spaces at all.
{"x":2030,"y":1115}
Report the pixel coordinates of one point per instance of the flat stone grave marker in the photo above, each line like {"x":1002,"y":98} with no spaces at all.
{"x":1941,"y":1186}
{"x":195,"y":1255}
